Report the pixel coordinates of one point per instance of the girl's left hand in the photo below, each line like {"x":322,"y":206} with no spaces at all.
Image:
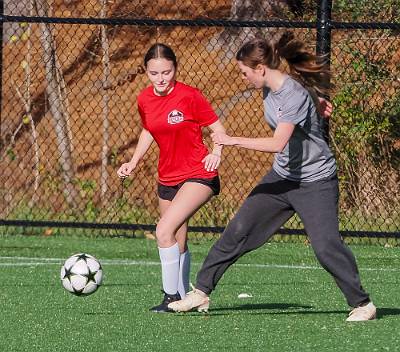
{"x":211,"y":162}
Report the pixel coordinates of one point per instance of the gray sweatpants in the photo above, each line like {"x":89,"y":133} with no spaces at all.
{"x":270,"y":204}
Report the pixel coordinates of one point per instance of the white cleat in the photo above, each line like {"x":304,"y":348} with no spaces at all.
{"x":194,"y":300}
{"x":367,"y":312}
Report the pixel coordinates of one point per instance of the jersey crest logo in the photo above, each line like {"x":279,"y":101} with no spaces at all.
{"x":279,"y":113}
{"x":174,"y":117}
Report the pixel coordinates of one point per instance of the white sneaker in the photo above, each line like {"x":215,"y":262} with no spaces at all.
{"x":194,"y":300}
{"x":367,"y":312}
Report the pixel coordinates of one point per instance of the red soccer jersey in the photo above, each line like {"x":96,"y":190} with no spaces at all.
{"x":175,"y":122}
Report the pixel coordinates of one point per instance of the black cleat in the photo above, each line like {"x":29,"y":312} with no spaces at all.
{"x":163,"y":307}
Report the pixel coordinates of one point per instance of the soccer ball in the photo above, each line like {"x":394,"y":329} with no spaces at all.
{"x":81,"y":274}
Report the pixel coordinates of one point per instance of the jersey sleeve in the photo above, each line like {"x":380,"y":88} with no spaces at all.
{"x":296,"y":109}
{"x":202,"y":109}
{"x":141,"y":113}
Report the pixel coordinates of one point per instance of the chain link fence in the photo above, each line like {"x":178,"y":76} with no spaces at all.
{"x":71,"y":71}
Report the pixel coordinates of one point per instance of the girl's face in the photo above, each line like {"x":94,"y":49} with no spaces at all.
{"x":161,"y":73}
{"x":254,"y":76}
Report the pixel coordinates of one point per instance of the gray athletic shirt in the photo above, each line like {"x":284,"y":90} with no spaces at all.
{"x":307,"y":156}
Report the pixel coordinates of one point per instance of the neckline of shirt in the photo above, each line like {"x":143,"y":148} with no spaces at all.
{"x":167,"y":95}
{"x":282,"y":87}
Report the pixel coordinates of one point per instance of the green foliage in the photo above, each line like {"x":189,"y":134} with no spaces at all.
{"x":365,"y":10}
{"x":113,"y":157}
{"x":355,"y":11}
{"x":117,"y":211}
{"x":11,"y":154}
{"x":361,"y":106}
{"x":365,"y":125}
{"x":218,"y":213}
{"x":87,"y":191}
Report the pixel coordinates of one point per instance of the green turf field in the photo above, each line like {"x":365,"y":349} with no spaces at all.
{"x":295,"y":306}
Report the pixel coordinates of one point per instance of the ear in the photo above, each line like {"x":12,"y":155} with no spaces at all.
{"x":260,"y":69}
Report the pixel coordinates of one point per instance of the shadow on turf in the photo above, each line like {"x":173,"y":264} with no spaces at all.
{"x":282,"y":307}
{"x":381,"y":312}
{"x":268,"y":306}
{"x":272,"y":306}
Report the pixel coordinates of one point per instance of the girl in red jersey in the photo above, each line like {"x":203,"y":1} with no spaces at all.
{"x":173,"y":115}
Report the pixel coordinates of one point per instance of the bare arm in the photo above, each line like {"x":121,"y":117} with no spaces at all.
{"x":144,"y":143}
{"x":217,"y":127}
{"x":274,"y":144}
{"x":213,"y":160}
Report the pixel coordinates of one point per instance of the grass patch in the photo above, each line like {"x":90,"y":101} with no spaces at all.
{"x":295,"y":306}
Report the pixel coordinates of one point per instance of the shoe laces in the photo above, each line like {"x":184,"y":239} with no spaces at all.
{"x":193,"y":288}
{"x":193,"y":292}
{"x":196,"y":292}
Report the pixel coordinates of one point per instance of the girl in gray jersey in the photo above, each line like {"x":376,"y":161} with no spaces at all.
{"x":302,"y":180}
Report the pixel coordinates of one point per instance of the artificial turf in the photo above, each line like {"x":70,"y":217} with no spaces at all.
{"x":294,"y":305}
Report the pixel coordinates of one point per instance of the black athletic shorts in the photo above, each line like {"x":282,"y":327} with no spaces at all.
{"x":169,"y":192}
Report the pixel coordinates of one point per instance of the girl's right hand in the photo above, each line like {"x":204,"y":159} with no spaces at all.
{"x":221,"y":138}
{"x":126,"y":169}
{"x":325,"y":108}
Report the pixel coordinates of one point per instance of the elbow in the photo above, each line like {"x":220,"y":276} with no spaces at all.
{"x":221,"y":129}
{"x":279,"y":147}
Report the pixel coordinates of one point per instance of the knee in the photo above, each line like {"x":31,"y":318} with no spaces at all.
{"x":237,"y":227}
{"x":165,"y":236}
{"x":234,"y":234}
{"x":328,"y":248}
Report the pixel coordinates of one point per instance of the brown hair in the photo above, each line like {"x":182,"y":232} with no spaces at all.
{"x":305,"y":67}
{"x":160,"y":51}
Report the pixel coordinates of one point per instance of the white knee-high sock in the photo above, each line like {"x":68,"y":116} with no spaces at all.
{"x":184,"y":273}
{"x":170,"y":268}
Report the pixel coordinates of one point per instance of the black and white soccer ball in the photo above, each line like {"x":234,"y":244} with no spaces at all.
{"x":81,"y":274}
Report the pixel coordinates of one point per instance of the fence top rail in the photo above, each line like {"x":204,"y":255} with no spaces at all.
{"x":198,"y":22}
{"x":158,"y":22}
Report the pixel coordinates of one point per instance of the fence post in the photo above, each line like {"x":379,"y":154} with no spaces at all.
{"x":323,"y":47}
{"x":324,"y":17}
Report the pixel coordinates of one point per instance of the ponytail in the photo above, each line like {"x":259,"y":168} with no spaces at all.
{"x":305,"y":67}
{"x":309,"y":69}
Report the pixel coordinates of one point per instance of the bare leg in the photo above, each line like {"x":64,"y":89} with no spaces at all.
{"x":184,"y":260}
{"x":181,"y":233}
{"x":171,"y":233}
{"x":187,"y":201}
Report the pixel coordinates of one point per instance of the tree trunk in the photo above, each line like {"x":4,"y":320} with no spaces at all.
{"x":26,"y":100}
{"x":230,"y":39}
{"x":58,"y":104}
{"x":106,"y":99}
